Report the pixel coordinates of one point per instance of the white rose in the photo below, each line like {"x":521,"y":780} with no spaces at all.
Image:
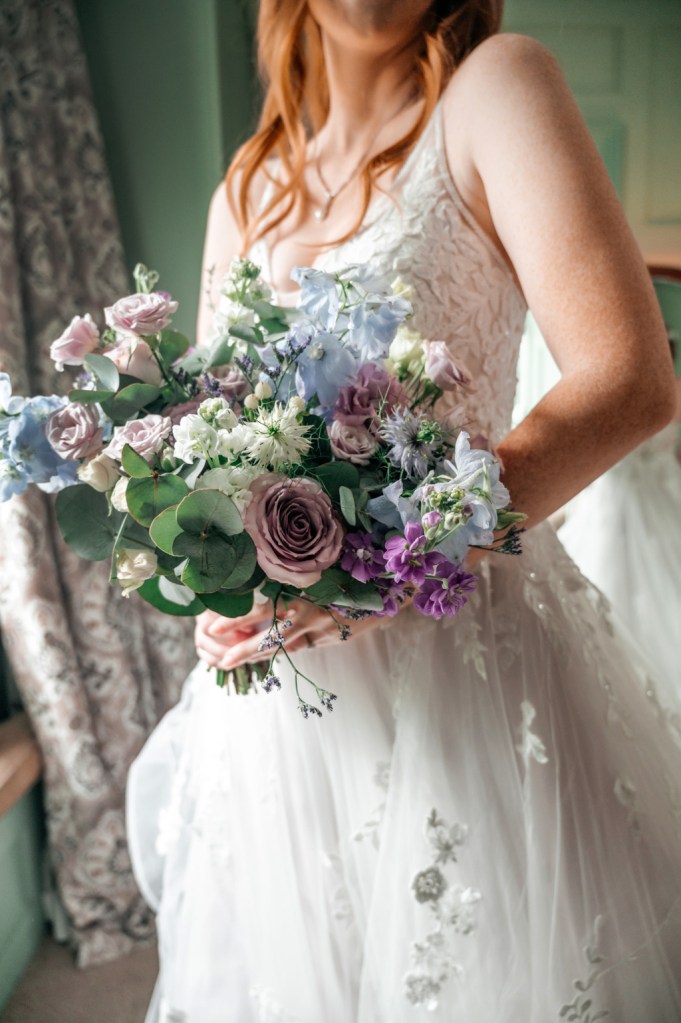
{"x":134,"y":567}
{"x":195,"y":438}
{"x":407,"y":351}
{"x":118,"y":498}
{"x":100,"y":473}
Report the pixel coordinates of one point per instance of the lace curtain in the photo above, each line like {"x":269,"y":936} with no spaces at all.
{"x":95,"y":671}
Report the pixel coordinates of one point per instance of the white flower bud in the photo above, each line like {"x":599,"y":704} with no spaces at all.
{"x":263,"y":390}
{"x":251,"y":401}
{"x":134,"y":567}
{"x":118,"y":495}
{"x":100,"y":473}
{"x":296,"y":404}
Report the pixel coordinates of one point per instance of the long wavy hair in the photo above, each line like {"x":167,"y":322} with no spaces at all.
{"x":296,"y":101}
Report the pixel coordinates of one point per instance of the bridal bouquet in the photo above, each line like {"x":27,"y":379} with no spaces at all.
{"x":300,"y":455}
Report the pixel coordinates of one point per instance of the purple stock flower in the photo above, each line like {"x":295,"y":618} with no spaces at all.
{"x":406,"y":556}
{"x":360,"y":558}
{"x":394,"y":595}
{"x":446,"y":594}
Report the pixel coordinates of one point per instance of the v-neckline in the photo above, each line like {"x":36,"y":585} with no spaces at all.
{"x":383,"y":202}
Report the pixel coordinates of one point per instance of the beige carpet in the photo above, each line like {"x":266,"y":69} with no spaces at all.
{"x":54,"y":991}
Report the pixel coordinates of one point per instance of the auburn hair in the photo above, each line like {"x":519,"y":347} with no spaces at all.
{"x":296,"y":102}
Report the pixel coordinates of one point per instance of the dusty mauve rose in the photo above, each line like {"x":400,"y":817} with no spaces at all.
{"x":233,"y":384}
{"x":145,"y":435}
{"x":175,"y":413}
{"x":74,"y":431}
{"x":100,"y":473}
{"x":294,"y":529}
{"x":443,"y":369}
{"x":352,"y":443}
{"x":141,"y":314}
{"x":372,"y":390}
{"x":79,"y":339}
{"x":136,"y":359}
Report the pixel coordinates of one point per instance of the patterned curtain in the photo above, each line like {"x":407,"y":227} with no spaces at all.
{"x":95,"y":671}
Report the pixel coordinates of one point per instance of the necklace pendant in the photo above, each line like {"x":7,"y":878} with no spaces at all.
{"x":323,"y":211}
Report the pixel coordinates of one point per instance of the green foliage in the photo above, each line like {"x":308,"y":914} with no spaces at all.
{"x":347,"y":505}
{"x":172,"y":346}
{"x":86,"y":522}
{"x":104,"y":370}
{"x":134,"y":464}
{"x":230,"y":605}
{"x":129,"y":401}
{"x":334,"y":475}
{"x":90,"y":397}
{"x":164,"y":529}
{"x":147,"y":497}
{"x":151,"y":592}
{"x":338,"y":587}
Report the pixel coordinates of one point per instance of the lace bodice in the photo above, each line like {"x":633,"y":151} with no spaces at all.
{"x":464,"y":293}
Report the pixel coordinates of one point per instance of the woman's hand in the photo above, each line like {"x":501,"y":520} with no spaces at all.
{"x":229,"y":642}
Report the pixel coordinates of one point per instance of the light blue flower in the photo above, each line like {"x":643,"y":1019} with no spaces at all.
{"x":65,"y":476}
{"x":319,"y":298}
{"x":13,"y":480}
{"x":373,"y":324}
{"x":10,"y":404}
{"x":29,"y":449}
{"x":323,"y":367}
{"x":392,"y":508}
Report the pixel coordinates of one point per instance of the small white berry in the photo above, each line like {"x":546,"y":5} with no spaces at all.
{"x":251,"y":401}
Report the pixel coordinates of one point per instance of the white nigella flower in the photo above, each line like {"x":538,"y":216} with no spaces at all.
{"x":218,"y":413}
{"x":195,"y":438}
{"x":278,"y":437}
{"x":232,"y":480}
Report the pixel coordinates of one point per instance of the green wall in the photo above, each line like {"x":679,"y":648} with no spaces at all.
{"x":174,"y":86}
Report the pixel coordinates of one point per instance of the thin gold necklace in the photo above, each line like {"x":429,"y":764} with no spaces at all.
{"x":322,"y":212}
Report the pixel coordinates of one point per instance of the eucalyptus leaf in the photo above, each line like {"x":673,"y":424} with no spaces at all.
{"x":105,"y":371}
{"x":85,"y":522}
{"x":152,"y":593}
{"x":130,"y":400}
{"x":244,"y":333}
{"x":245,"y":563}
{"x":172,"y":345}
{"x":206,"y":510}
{"x":134,"y":464}
{"x":146,"y":498}
{"x":230,"y":605}
{"x":210,"y":561}
{"x":90,"y":397}
{"x":347,"y":505}
{"x":164,"y":529}
{"x":334,"y":475}
{"x":338,"y":587}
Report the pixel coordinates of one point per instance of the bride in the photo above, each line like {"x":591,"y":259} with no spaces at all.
{"x":488,"y":828}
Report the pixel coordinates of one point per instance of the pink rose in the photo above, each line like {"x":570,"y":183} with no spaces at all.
{"x":141,"y":314}
{"x":294,"y":529}
{"x":445,"y":371}
{"x":352,"y":443}
{"x":136,"y":359}
{"x":145,"y":436}
{"x":74,"y":431}
{"x":79,"y":339}
{"x":372,"y":390}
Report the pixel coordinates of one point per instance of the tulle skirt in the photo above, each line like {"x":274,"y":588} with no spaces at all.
{"x":624,"y":533}
{"x":487,"y":828}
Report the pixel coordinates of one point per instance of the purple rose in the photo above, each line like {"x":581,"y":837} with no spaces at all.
{"x":445,"y":372}
{"x":145,"y":436}
{"x":372,"y":391}
{"x":136,"y":359}
{"x":74,"y":431}
{"x":141,"y":314}
{"x":294,"y":529}
{"x":353,"y":444}
{"x":79,"y":339}
{"x":233,"y":384}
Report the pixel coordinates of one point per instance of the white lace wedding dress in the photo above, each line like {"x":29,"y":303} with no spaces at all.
{"x":488,"y":827}
{"x":624,"y":533}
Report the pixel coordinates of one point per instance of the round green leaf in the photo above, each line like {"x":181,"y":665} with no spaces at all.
{"x":89,"y":397}
{"x":210,"y":561}
{"x":105,"y":371}
{"x":164,"y":529}
{"x":245,"y":562}
{"x":230,"y":605}
{"x":85,"y":522}
{"x":172,"y":345}
{"x":151,"y":592}
{"x":130,"y":400}
{"x":146,"y":498}
{"x":134,"y":464}
{"x":205,"y":510}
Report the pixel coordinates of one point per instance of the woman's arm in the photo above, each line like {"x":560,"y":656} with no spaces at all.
{"x":526,"y":165}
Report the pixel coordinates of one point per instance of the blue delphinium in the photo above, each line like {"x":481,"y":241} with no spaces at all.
{"x":373,"y":324}
{"x":319,"y":295}
{"x":26,"y":456}
{"x":323,"y":367}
